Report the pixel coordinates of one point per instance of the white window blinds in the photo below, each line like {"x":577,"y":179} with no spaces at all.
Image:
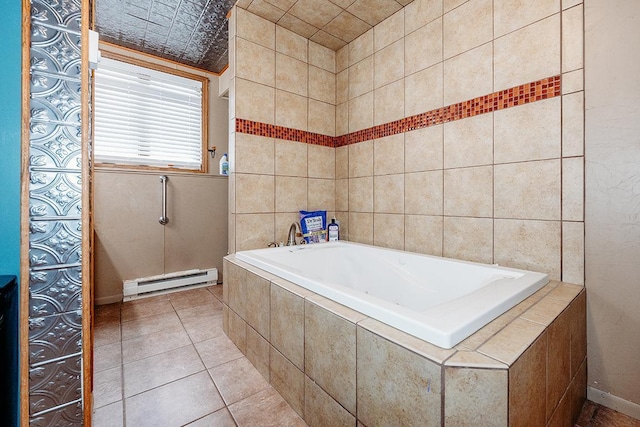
{"x":147,"y":117}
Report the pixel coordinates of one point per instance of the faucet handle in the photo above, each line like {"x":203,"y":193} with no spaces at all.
{"x":272,"y":245}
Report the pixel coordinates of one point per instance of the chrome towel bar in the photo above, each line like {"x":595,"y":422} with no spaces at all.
{"x":164,"y":220}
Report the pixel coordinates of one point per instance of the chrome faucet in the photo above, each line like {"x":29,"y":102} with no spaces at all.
{"x":291,"y":238}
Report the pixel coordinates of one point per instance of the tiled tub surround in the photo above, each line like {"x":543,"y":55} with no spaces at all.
{"x":332,"y":364}
{"x":504,"y":186}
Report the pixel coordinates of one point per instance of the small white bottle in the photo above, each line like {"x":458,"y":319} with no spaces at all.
{"x":224,"y":165}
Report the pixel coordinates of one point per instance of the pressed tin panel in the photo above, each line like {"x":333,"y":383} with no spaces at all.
{"x":55,"y":209}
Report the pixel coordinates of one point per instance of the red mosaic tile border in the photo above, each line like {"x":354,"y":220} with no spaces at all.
{"x":519,"y":95}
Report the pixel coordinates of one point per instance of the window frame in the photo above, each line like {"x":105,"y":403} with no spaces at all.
{"x":204,"y":164}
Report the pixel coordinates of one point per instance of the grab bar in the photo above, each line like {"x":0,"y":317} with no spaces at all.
{"x":164,"y":220}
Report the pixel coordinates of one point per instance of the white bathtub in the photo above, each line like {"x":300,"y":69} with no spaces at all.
{"x":439,"y":300}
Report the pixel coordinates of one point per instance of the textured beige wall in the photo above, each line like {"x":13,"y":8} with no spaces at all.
{"x":613,"y":202}
{"x":130,"y":243}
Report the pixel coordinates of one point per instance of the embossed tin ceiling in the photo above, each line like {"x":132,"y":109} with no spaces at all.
{"x":196,"y":32}
{"x":191,"y":32}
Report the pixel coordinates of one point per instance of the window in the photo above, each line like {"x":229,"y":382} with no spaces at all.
{"x":149,"y":117}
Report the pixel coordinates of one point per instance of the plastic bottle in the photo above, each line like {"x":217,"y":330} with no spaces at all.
{"x":224,"y":165}
{"x":333,"y":231}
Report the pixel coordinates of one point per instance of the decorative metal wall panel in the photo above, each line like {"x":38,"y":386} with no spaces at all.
{"x":55,"y":208}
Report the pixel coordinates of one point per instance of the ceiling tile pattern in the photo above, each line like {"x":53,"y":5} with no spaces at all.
{"x":191,"y":32}
{"x":331,"y":23}
{"x":196,"y":32}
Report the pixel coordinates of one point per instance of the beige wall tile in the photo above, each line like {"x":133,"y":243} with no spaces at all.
{"x":237,"y":291}
{"x":420,"y":12}
{"x":342,"y":86}
{"x":254,"y":193}
{"x":388,"y":231}
{"x":526,"y":390}
{"x":528,"y":190}
{"x":291,"y":158}
{"x":342,"y":118}
{"x":258,"y":352}
{"x":578,"y":318}
{"x":288,"y":380}
{"x":570,"y":3}
{"x":256,"y":29}
{"x":342,"y":58}
{"x":324,"y":38}
{"x":254,"y":154}
{"x":321,"y":194}
{"x":423,"y":47}
{"x":558,"y":360}
{"x":528,"y":132}
{"x":572,"y":38}
{"x":330,"y":353}
{"x":423,"y":234}
{"x":254,"y":231}
{"x":468,"y":75}
{"x":361,"y":112}
{"x":361,"y":194}
{"x":361,"y":159}
{"x":287,"y":324}
{"x":469,"y":191}
{"x":573,"y":189}
{"x":424,"y":193}
{"x":257,"y":308}
{"x":537,"y":45}
{"x":361,"y":48}
{"x":530,"y":245}
{"x":316,"y":13}
{"x":238,"y":331}
{"x":423,"y":91}
{"x":283,"y":221}
{"x":388,"y":194}
{"x":573,"y":124}
{"x":361,"y":227}
{"x":374,"y":15}
{"x":266,"y":10}
{"x":291,"y":44}
{"x":476,"y":14}
{"x":322,"y":85}
{"x":389,"y":30}
{"x":476,"y":396}
{"x":291,"y":193}
{"x":361,"y":77}
{"x":573,"y":81}
{"x":255,"y":62}
{"x":322,"y":118}
{"x":423,"y":149}
{"x":389,"y":64}
{"x":408,"y":394}
{"x":451,"y":4}
{"x":469,"y":142}
{"x":347,"y":26}
{"x":573,"y":252}
{"x":342,"y":195}
{"x":322,"y":57}
{"x":297,"y":25}
{"x":254,"y":101}
{"x":291,"y":74}
{"x":388,"y":155}
{"x":291,"y":110}
{"x":389,"y":103}
{"x":321,"y":410}
{"x":510,"y":15}
{"x":322,"y":161}
{"x":342,"y":161}
{"x":469,"y":239}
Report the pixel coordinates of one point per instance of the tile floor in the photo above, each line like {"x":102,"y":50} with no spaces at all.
{"x":164,"y":361}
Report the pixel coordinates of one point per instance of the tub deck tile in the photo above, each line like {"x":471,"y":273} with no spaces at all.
{"x":508,"y":344}
{"x":473,"y":359}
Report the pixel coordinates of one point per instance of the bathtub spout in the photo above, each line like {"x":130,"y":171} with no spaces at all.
{"x":291,"y":238}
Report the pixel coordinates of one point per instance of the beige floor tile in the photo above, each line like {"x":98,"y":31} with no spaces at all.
{"x":107,"y":356}
{"x":152,"y":344}
{"x":216,"y":290}
{"x":220,"y":418}
{"x":212,"y":308}
{"x":191,"y":298}
{"x":226,"y":378}
{"x":266,"y":409}
{"x":174,"y":404}
{"x":146,"y":307}
{"x":149,"y":325}
{"x":217,"y":350}
{"x":107,"y":387}
{"x":108,"y":416}
{"x":203,"y":328}
{"x":106,"y":333}
{"x":155,"y":371}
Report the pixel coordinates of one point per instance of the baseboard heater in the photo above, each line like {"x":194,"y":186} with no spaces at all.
{"x":170,"y":282}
